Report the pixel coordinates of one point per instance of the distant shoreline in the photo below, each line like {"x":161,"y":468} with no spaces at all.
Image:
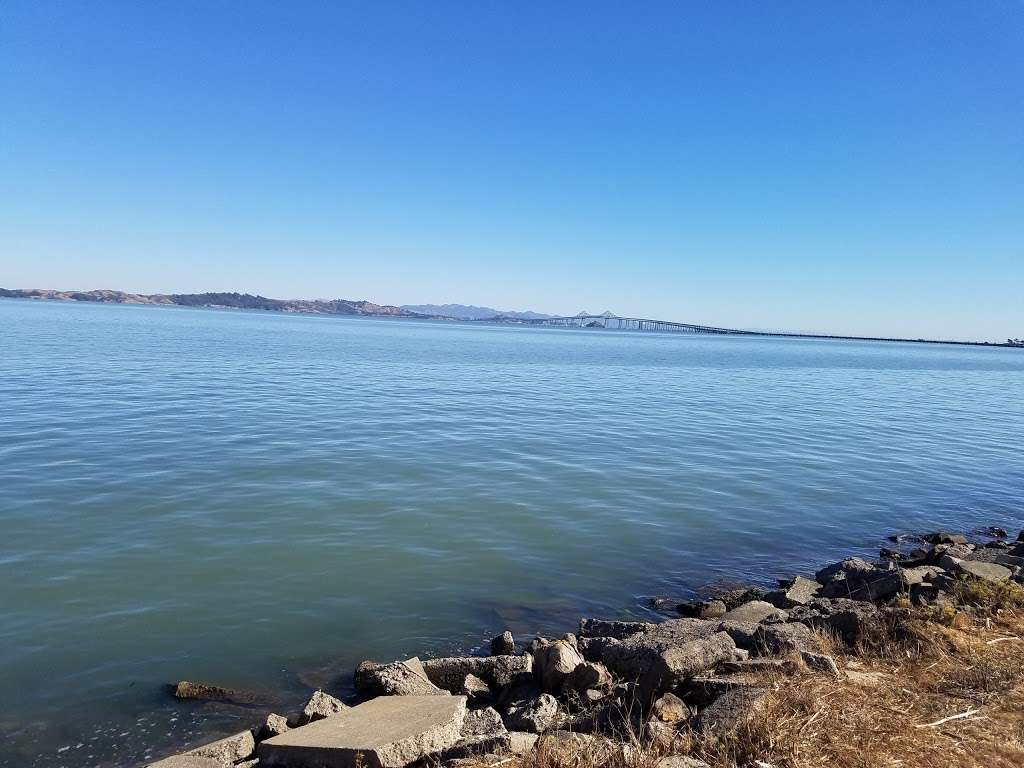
{"x":363,"y":308}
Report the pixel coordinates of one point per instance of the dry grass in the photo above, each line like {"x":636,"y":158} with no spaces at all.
{"x":916,"y":667}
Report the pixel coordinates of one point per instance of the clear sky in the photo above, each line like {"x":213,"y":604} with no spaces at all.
{"x":839,"y":166}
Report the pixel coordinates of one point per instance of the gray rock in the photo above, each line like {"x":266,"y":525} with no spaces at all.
{"x":681,"y":647}
{"x":475,"y":689}
{"x":681,"y":761}
{"x":755,"y":612}
{"x":588,"y":675}
{"x":730,"y":712}
{"x":734,"y":598}
{"x":619,"y":630}
{"x":534,"y":715}
{"x":521,"y":742}
{"x":186,"y":761}
{"x":592,"y":648}
{"x":187,"y":690}
{"x":503,"y":645}
{"x":820,"y":662}
{"x":845,"y":617}
{"x":553,"y":662}
{"x":482,"y":731}
{"x":401,"y":678}
{"x":758,"y":665}
{"x":992,"y":572}
{"x":944,"y":537}
{"x":1010,"y":561}
{"x":669,"y":708}
{"x":852,"y":568}
{"x":703,"y":609}
{"x":705,"y":689}
{"x":228,"y":750}
{"x":800,"y":592}
{"x":496,"y":671}
{"x":741,"y":633}
{"x":319,"y":706}
{"x":385,"y":732}
{"x":894,"y":582}
{"x":274,"y":725}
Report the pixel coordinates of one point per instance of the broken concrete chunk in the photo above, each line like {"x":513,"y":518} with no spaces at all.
{"x":620,"y":630}
{"x":800,"y":592}
{"x":228,"y":750}
{"x":776,"y":639}
{"x":186,"y":761}
{"x":521,"y":742}
{"x":731,"y":711}
{"x":754,"y":612}
{"x":319,"y":706}
{"x":533,"y":715}
{"x":496,"y":671}
{"x":385,"y":732}
{"x":401,"y":678}
{"x":991,"y":572}
{"x":503,"y":645}
{"x":274,"y":725}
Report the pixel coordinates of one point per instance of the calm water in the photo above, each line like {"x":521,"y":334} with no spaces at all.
{"x":262,"y":500}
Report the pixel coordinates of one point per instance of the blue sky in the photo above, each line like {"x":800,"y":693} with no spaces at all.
{"x":843,"y":166}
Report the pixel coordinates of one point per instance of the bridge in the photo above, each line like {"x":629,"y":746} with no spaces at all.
{"x":608,"y":321}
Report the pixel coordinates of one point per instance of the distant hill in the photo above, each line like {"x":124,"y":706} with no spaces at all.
{"x":469,"y":312}
{"x":221,"y":300}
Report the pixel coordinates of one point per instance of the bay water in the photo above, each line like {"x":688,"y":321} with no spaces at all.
{"x":261,"y":500}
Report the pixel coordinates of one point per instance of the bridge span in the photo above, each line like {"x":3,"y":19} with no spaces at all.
{"x":608,"y":321}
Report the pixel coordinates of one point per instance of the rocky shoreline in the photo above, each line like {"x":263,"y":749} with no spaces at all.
{"x":637,"y":694}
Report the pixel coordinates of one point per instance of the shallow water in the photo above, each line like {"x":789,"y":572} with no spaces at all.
{"x":261,"y":500}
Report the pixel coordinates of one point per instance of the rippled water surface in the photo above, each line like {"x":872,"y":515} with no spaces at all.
{"x":261,"y":500}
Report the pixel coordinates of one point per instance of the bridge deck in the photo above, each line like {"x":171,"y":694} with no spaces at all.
{"x":667,"y":326}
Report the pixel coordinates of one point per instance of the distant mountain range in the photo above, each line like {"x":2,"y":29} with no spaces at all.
{"x":222,"y":300}
{"x":248,"y":301}
{"x":470,"y":312}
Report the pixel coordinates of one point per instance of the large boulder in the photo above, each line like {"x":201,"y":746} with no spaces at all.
{"x":992,"y":572}
{"x":553,"y":662}
{"x":401,"y":678}
{"x":496,"y":671}
{"x":661,"y":658}
{"x":533,"y":715}
{"x":385,"y":732}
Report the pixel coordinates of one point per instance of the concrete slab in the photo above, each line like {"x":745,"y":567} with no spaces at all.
{"x":186,"y":761}
{"x":386,"y":732}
